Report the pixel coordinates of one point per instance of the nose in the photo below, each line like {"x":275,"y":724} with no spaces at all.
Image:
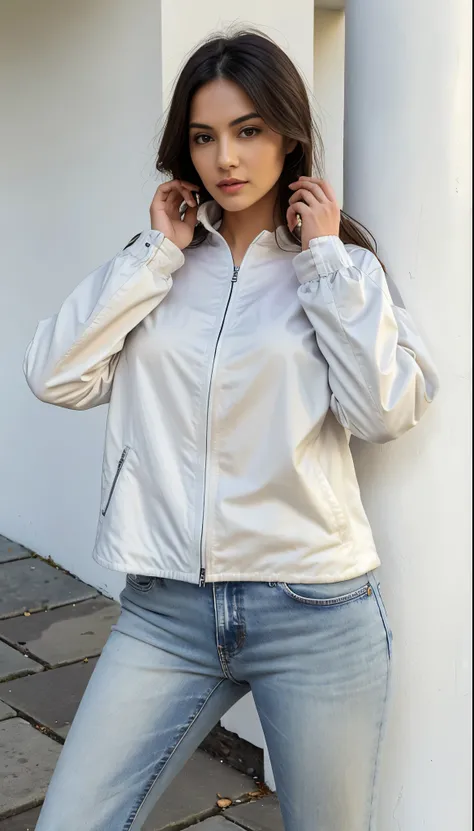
{"x":226,"y":154}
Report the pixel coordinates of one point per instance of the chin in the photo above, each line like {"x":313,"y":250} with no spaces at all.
{"x":234,"y":202}
{"x":229,"y":203}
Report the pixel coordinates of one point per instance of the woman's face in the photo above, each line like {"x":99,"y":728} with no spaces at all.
{"x":220,"y":149}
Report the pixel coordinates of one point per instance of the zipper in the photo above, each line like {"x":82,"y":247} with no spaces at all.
{"x":117,"y":474}
{"x":202,"y":570}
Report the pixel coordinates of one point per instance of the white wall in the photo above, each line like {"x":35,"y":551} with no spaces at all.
{"x":186,"y":22}
{"x":80,"y":93}
{"x":408,"y":177}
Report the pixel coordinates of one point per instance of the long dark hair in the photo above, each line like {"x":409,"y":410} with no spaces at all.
{"x":271,"y":80}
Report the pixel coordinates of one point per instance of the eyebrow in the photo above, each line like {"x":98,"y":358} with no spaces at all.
{"x":231,"y":124}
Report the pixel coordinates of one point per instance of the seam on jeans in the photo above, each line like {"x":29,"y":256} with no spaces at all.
{"x":382,"y":727}
{"x":384,"y":617}
{"x":241,"y":628}
{"x":225,"y":667}
{"x":132,"y":817}
{"x":220,"y":649}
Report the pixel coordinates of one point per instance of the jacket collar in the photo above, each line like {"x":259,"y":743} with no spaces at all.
{"x":209,"y":214}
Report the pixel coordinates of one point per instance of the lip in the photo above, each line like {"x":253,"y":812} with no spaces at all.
{"x":231,"y":187}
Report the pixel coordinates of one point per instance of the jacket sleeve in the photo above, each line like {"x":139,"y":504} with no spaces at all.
{"x":73,"y":355}
{"x":381,"y":376}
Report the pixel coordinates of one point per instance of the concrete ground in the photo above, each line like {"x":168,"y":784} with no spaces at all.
{"x":52,"y":629}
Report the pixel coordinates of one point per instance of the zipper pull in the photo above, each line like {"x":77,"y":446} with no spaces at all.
{"x":235,"y":274}
{"x":122,"y":461}
{"x":202,"y":577}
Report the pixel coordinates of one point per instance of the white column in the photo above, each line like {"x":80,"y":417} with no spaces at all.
{"x":407,"y":176}
{"x":328,"y":88}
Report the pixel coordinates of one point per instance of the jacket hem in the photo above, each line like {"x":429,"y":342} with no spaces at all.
{"x":357,"y":569}
{"x":167,"y":573}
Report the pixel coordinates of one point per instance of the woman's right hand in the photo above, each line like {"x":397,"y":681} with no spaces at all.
{"x":164,"y":211}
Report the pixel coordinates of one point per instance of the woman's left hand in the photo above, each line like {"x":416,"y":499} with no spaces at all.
{"x":315,"y":201}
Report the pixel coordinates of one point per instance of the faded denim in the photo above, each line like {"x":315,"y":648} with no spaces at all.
{"x":316,"y":657}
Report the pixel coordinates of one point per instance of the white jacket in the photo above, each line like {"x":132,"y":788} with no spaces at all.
{"x":233,"y":394}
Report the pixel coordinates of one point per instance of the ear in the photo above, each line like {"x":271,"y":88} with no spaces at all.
{"x":290,"y":146}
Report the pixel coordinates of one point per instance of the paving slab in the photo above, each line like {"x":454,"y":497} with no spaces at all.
{"x":13,"y":663}
{"x":27,"y":761}
{"x":6,"y":712}
{"x":33,"y":585}
{"x":215,"y":824}
{"x":10,"y":550}
{"x":51,"y":697}
{"x":25,"y":821}
{"x":194,"y":791}
{"x":64,"y":635}
{"x":262,"y":815}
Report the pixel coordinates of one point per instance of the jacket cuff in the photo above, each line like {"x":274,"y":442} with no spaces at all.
{"x":324,"y":256}
{"x":157,"y":252}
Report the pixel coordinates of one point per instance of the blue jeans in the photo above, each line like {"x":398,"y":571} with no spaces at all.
{"x":316,"y":657}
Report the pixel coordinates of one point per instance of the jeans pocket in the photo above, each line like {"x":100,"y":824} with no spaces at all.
{"x":141,"y":582}
{"x":328,"y":594}
{"x":383,"y":614}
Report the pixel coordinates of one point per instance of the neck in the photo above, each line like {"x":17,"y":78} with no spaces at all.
{"x":239,"y":228}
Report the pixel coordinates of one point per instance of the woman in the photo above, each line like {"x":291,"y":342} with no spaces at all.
{"x":238,"y":355}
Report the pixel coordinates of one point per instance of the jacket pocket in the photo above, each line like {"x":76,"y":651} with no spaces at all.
{"x":336,"y":510}
{"x":120,"y":465}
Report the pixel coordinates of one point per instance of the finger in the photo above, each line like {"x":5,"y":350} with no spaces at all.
{"x":170,"y":191}
{"x":189,"y":185}
{"x":190,"y":217}
{"x":331,"y":193}
{"x":166,"y":187}
{"x":180,"y":194}
{"x":300,"y":208}
{"x":172,"y":199}
{"x":291,"y":219}
{"x":304,"y":195}
{"x":324,"y":185}
{"x":297,"y":208}
{"x":313,"y":188}
{"x":183,"y":182}
{"x":186,"y":192}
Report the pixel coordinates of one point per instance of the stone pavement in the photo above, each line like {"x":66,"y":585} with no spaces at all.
{"x":52,"y":629}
